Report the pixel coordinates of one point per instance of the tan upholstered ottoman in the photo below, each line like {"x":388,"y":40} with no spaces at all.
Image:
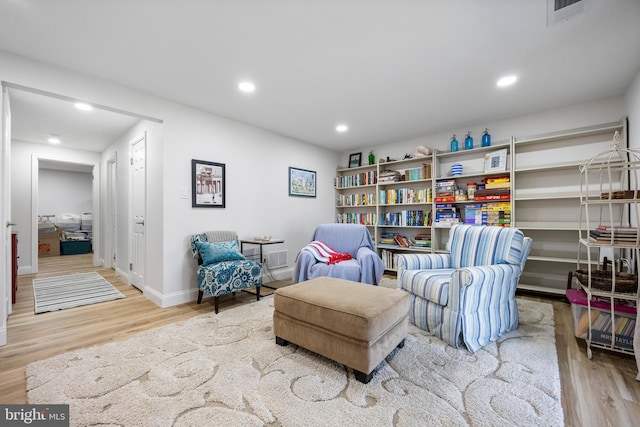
{"x":352,"y":323}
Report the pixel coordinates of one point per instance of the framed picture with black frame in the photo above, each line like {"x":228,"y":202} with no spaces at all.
{"x":302,"y":182}
{"x":207,"y":184}
{"x":355,"y":160}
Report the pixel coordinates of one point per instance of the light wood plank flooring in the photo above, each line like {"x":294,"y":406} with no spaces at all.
{"x":598,"y":392}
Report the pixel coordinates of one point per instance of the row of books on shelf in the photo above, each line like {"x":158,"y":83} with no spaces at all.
{"x":418,"y":173}
{"x":602,"y":328}
{"x":464,"y":198}
{"x":410,"y":174}
{"x":355,"y":180}
{"x":365,"y":218}
{"x":478,"y":196}
{"x":389,"y":259}
{"x":367,"y":199}
{"x":498,"y":213}
{"x":409,"y":218}
{"x":421,"y":240}
{"x":404,"y":195}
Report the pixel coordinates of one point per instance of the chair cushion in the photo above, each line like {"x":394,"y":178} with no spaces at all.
{"x":213,"y":252}
{"x":228,"y":276}
{"x":473,"y":245}
{"x":432,"y":285}
{"x":347,"y":270}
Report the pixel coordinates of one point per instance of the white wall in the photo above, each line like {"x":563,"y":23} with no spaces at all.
{"x":257,"y":200}
{"x":256,"y":161}
{"x":575,"y":116}
{"x":632,"y":101}
{"x":62,"y":192}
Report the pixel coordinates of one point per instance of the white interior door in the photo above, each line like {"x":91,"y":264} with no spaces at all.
{"x":5,"y":216}
{"x":138,"y":205}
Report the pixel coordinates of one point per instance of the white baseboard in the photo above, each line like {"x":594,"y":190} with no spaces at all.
{"x":123,"y":274}
{"x":278,"y":274}
{"x":191,"y":295}
{"x":25,"y":269}
{"x":3,"y":335}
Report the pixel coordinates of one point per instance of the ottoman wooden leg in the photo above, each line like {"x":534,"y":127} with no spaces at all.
{"x":362,"y":377}
{"x":280,"y":341}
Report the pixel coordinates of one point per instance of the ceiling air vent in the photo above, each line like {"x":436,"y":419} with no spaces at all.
{"x":563,"y":10}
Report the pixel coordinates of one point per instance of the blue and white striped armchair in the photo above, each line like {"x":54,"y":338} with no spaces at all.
{"x":468,"y":295}
{"x":222,"y":269}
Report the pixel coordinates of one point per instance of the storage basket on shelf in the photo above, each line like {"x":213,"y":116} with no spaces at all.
{"x":626,"y":283}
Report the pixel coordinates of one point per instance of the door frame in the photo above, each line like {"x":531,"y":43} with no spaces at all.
{"x":35,"y":173}
{"x":5,"y":212}
{"x":110,"y":236}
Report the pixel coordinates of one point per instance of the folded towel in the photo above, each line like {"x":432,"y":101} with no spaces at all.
{"x":323,"y":253}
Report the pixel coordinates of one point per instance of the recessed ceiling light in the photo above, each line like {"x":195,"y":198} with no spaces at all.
{"x":247,"y":87}
{"x":83,"y":106}
{"x":342,"y":128}
{"x":54,"y":139}
{"x":507,"y":81}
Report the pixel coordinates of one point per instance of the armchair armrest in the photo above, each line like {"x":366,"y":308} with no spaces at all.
{"x":371,"y":265}
{"x":423,"y":262}
{"x":475,"y":287}
{"x":303,"y":263}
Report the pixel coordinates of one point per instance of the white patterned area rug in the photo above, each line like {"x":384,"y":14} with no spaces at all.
{"x":73,"y":290}
{"x":227,"y":370}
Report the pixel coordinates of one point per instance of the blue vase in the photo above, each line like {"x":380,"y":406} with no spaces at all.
{"x":486,"y":138}
{"x":454,"y":144}
{"x":468,"y":142}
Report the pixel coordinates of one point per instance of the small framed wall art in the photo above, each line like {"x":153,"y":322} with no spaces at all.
{"x":207,"y":184}
{"x":302,"y":182}
{"x":496,"y":161}
{"x":355,"y":160}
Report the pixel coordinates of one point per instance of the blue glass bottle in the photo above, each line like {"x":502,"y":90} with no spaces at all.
{"x":468,"y":141}
{"x":454,"y":143}
{"x":486,"y":138}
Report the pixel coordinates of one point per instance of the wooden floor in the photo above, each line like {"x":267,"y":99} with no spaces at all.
{"x":597,"y":392}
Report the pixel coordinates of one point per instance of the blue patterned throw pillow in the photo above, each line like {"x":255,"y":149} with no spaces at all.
{"x":213,"y":252}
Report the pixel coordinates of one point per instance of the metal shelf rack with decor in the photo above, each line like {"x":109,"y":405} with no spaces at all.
{"x":609,"y":219}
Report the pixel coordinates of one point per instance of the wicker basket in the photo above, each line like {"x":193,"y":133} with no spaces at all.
{"x":601,"y":279}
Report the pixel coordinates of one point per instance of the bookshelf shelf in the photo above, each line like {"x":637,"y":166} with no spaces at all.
{"x":546,"y":194}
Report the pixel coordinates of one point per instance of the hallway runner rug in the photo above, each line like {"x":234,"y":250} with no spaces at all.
{"x":73,"y":290}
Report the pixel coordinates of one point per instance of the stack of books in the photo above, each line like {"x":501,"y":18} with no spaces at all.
{"x":389,"y":176}
{"x":447,"y":214}
{"x":497,"y":182}
{"x":388,"y":238}
{"x":614,"y":234}
{"x":446,"y":190}
{"x":422,"y":240}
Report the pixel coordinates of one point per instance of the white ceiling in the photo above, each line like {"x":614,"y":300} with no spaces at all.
{"x":391,"y":70}
{"x":36,"y":116}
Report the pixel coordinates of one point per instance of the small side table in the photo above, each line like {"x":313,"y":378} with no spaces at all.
{"x":260,"y":243}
